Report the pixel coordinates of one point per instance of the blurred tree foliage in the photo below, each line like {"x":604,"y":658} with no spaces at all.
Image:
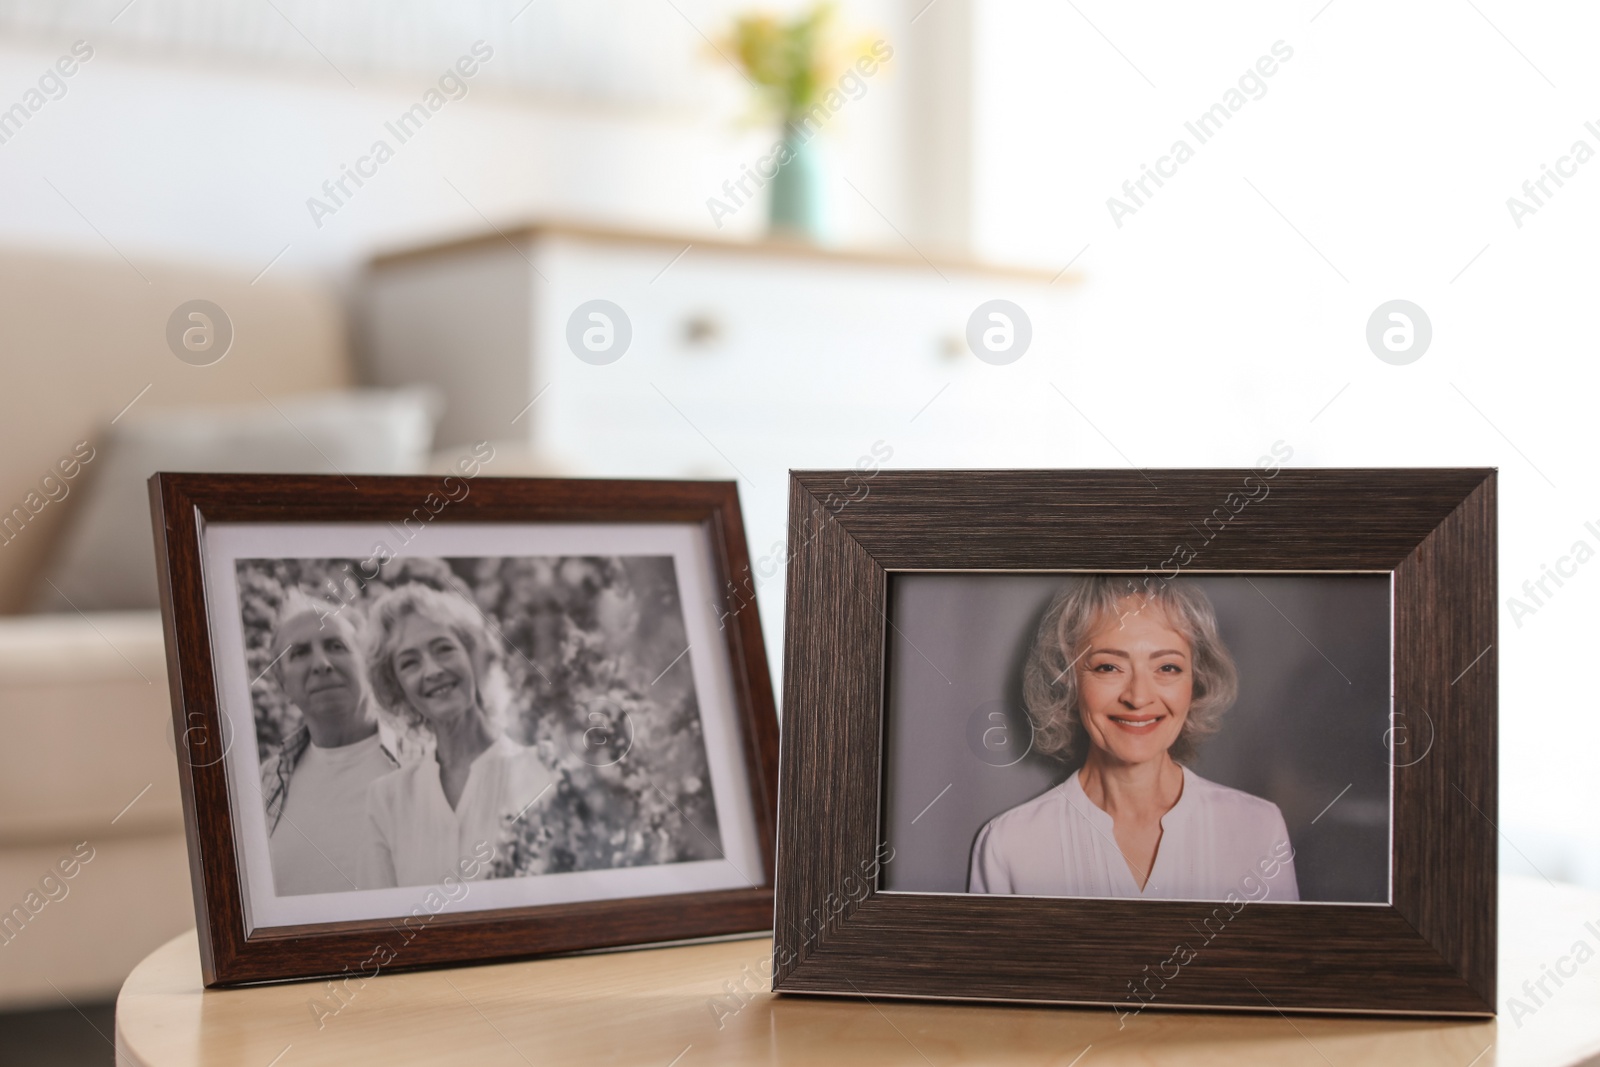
{"x":601,"y":675}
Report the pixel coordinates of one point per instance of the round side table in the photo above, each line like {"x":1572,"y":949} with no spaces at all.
{"x":707,"y":1004}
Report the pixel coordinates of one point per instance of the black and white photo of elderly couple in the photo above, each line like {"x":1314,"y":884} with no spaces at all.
{"x":473,"y":717}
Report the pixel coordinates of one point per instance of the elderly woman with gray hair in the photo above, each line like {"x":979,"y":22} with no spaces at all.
{"x":436,"y":671}
{"x":1129,"y":679}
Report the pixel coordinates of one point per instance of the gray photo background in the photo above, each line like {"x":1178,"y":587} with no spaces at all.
{"x":1312,"y":718}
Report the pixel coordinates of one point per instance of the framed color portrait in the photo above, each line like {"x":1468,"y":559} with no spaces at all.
{"x":1151,"y":739}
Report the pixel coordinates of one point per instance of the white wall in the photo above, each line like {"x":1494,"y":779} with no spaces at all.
{"x":212,"y":158}
{"x":1210,"y":328}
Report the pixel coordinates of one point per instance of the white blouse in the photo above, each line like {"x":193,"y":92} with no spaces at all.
{"x":1215,"y":841}
{"x":418,"y":839}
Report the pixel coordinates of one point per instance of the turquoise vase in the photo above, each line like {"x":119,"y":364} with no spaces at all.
{"x":796,"y":209}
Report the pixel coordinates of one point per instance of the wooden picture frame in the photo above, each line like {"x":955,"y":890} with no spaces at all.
{"x":186,"y":506}
{"x":1429,"y":950}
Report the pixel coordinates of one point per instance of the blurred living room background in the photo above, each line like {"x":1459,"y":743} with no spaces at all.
{"x":380,"y":310}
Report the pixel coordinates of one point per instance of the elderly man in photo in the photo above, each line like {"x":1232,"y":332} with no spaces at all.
{"x":316,"y":784}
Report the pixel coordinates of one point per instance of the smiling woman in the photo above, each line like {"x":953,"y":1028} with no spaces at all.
{"x":436,"y":666}
{"x":1129,"y":676}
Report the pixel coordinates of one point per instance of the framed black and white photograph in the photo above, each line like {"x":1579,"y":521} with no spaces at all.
{"x":428,"y":721}
{"x":1142,"y":739}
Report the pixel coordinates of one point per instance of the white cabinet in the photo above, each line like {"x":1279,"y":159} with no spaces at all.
{"x":743,"y":360}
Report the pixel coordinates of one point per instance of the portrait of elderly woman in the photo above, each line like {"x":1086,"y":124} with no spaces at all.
{"x":1129,"y":678}
{"x":436,"y":671}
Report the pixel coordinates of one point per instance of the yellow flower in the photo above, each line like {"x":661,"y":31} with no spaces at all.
{"x":791,"y":63}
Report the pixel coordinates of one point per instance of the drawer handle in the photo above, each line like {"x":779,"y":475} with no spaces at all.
{"x":702,"y":330}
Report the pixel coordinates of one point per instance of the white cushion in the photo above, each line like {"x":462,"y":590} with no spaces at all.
{"x":106,"y":560}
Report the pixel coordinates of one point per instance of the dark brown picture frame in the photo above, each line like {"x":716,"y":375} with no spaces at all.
{"x":182,"y":505}
{"x":1430,"y":951}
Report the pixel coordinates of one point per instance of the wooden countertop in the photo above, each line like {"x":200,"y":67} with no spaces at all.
{"x":903,"y":255}
{"x":682,"y":1007}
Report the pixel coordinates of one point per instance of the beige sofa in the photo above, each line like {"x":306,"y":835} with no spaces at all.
{"x":88,"y":779}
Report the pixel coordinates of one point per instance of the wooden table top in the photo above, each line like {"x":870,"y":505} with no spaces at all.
{"x":683,"y":1007}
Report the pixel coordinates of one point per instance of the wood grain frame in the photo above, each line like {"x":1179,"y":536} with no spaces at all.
{"x":1430,"y":951}
{"x":183,"y":504}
